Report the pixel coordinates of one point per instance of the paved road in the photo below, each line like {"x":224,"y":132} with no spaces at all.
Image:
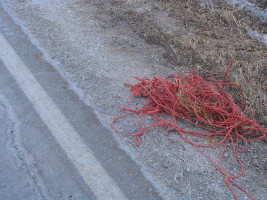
{"x":52,"y":145}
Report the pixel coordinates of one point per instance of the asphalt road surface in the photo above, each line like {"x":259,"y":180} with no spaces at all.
{"x":52,"y":145}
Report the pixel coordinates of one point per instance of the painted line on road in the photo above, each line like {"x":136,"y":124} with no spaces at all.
{"x":93,"y":173}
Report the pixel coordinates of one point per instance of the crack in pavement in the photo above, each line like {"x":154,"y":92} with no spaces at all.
{"x":24,"y":161}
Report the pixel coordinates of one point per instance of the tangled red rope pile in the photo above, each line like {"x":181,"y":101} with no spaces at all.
{"x":202,"y":102}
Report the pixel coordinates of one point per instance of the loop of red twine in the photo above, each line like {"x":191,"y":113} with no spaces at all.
{"x":204,"y":103}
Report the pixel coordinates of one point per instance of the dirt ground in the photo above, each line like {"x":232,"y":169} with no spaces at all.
{"x":201,"y":35}
{"x":149,"y":38}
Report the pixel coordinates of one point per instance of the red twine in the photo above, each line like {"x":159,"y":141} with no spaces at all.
{"x":204,"y":103}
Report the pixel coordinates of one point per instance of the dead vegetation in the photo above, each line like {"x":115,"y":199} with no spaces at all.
{"x":260,"y":3}
{"x":202,"y":34}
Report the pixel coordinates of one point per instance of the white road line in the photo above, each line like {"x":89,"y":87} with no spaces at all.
{"x":93,"y":173}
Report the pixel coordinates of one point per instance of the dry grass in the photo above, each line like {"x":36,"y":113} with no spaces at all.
{"x":260,"y":3}
{"x":202,"y":34}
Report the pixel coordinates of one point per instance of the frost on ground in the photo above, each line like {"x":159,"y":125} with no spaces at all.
{"x":252,"y":9}
{"x":261,"y":37}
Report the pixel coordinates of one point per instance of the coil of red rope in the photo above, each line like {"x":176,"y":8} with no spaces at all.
{"x":202,"y":102}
